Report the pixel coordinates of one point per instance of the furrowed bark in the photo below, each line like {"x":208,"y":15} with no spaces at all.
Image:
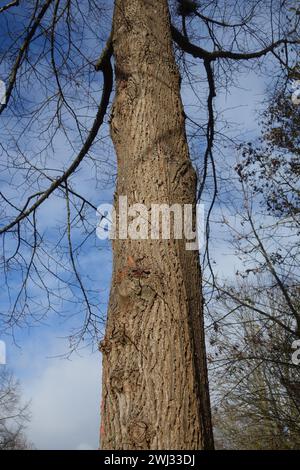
{"x":155,"y":388}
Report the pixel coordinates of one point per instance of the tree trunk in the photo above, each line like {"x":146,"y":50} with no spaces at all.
{"x":155,"y":388}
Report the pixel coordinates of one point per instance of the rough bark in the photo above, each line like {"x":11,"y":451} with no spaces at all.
{"x":155,"y":388}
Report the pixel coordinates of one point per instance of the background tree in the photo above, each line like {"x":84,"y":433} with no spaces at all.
{"x":257,"y":385}
{"x":14,"y":414}
{"x":259,"y":315}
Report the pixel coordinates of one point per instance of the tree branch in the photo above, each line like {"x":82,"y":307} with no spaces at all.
{"x":15,"y":3}
{"x":106,"y":68}
{"x":199,"y":52}
{"x":22,"y":52}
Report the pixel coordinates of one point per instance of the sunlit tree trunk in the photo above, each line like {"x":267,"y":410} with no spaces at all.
{"x":155,"y":389}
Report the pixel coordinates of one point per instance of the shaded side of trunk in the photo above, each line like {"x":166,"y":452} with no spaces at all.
{"x":155,"y":389}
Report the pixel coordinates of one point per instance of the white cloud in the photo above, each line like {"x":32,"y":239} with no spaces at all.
{"x":65,"y":404}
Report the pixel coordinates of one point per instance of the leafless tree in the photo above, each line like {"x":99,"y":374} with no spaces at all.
{"x":256,"y":319}
{"x":14,"y":414}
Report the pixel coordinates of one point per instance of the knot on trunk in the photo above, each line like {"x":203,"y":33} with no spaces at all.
{"x":119,"y":337}
{"x":139,"y":434}
{"x":117,"y":380}
{"x":129,"y":279}
{"x":105,"y":346}
{"x":124,"y":380}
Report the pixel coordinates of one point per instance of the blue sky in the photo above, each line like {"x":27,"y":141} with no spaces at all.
{"x":65,"y":393}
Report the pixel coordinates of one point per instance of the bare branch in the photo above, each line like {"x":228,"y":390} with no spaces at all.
{"x":15,"y":3}
{"x":22,"y":52}
{"x":107,"y":88}
{"x":199,"y":52}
